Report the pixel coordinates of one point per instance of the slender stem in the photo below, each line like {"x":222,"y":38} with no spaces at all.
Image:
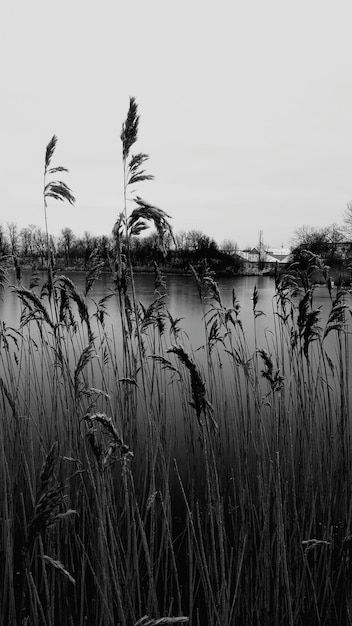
{"x":129,"y":260}
{"x":46,"y":219}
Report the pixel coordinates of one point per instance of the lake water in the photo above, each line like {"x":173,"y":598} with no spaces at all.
{"x":182,"y":302}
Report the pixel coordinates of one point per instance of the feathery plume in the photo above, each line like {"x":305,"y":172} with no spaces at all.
{"x":129,"y":130}
{"x":50,"y":151}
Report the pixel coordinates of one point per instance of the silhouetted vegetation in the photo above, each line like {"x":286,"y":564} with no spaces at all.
{"x":323,"y":251}
{"x":29,"y":245}
{"x":142,"y":488}
{"x":329,"y":243}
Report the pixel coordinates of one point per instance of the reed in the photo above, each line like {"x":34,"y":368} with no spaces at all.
{"x":143,"y":486}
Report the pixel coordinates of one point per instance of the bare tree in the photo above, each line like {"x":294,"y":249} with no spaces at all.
{"x":324,"y":242}
{"x":193,"y":239}
{"x":26,"y":236}
{"x":347,"y":220}
{"x":66,"y":242}
{"x":228,"y":246}
{"x":40,"y":244}
{"x":4,"y":244}
{"x":104,"y":245}
{"x":13,"y":237}
{"x":302,"y":236}
{"x":181,"y":240}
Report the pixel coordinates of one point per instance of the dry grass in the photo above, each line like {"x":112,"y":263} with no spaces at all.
{"x":139,"y":485}
{"x":250,"y":523}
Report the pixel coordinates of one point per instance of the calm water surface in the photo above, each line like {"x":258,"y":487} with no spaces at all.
{"x":182,"y":301}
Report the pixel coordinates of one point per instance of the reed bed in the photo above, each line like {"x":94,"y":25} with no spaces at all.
{"x":143,"y":486}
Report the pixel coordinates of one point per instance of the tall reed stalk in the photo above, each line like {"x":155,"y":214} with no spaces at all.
{"x":56,"y":189}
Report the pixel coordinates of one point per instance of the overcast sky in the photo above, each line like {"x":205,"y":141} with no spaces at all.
{"x":246,"y":111}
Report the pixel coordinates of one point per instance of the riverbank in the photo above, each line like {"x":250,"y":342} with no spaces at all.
{"x":340,"y":275}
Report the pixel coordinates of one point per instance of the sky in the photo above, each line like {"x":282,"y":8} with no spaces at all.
{"x":245,"y":110}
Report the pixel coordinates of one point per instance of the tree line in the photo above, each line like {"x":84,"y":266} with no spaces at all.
{"x":333,"y":244}
{"x":29,"y":247}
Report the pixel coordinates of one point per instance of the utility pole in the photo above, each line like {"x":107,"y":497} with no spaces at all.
{"x":261,"y":246}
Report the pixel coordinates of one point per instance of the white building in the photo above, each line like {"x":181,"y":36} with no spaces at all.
{"x":266,"y":255}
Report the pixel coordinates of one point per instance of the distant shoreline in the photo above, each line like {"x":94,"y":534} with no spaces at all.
{"x":340,"y":275}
